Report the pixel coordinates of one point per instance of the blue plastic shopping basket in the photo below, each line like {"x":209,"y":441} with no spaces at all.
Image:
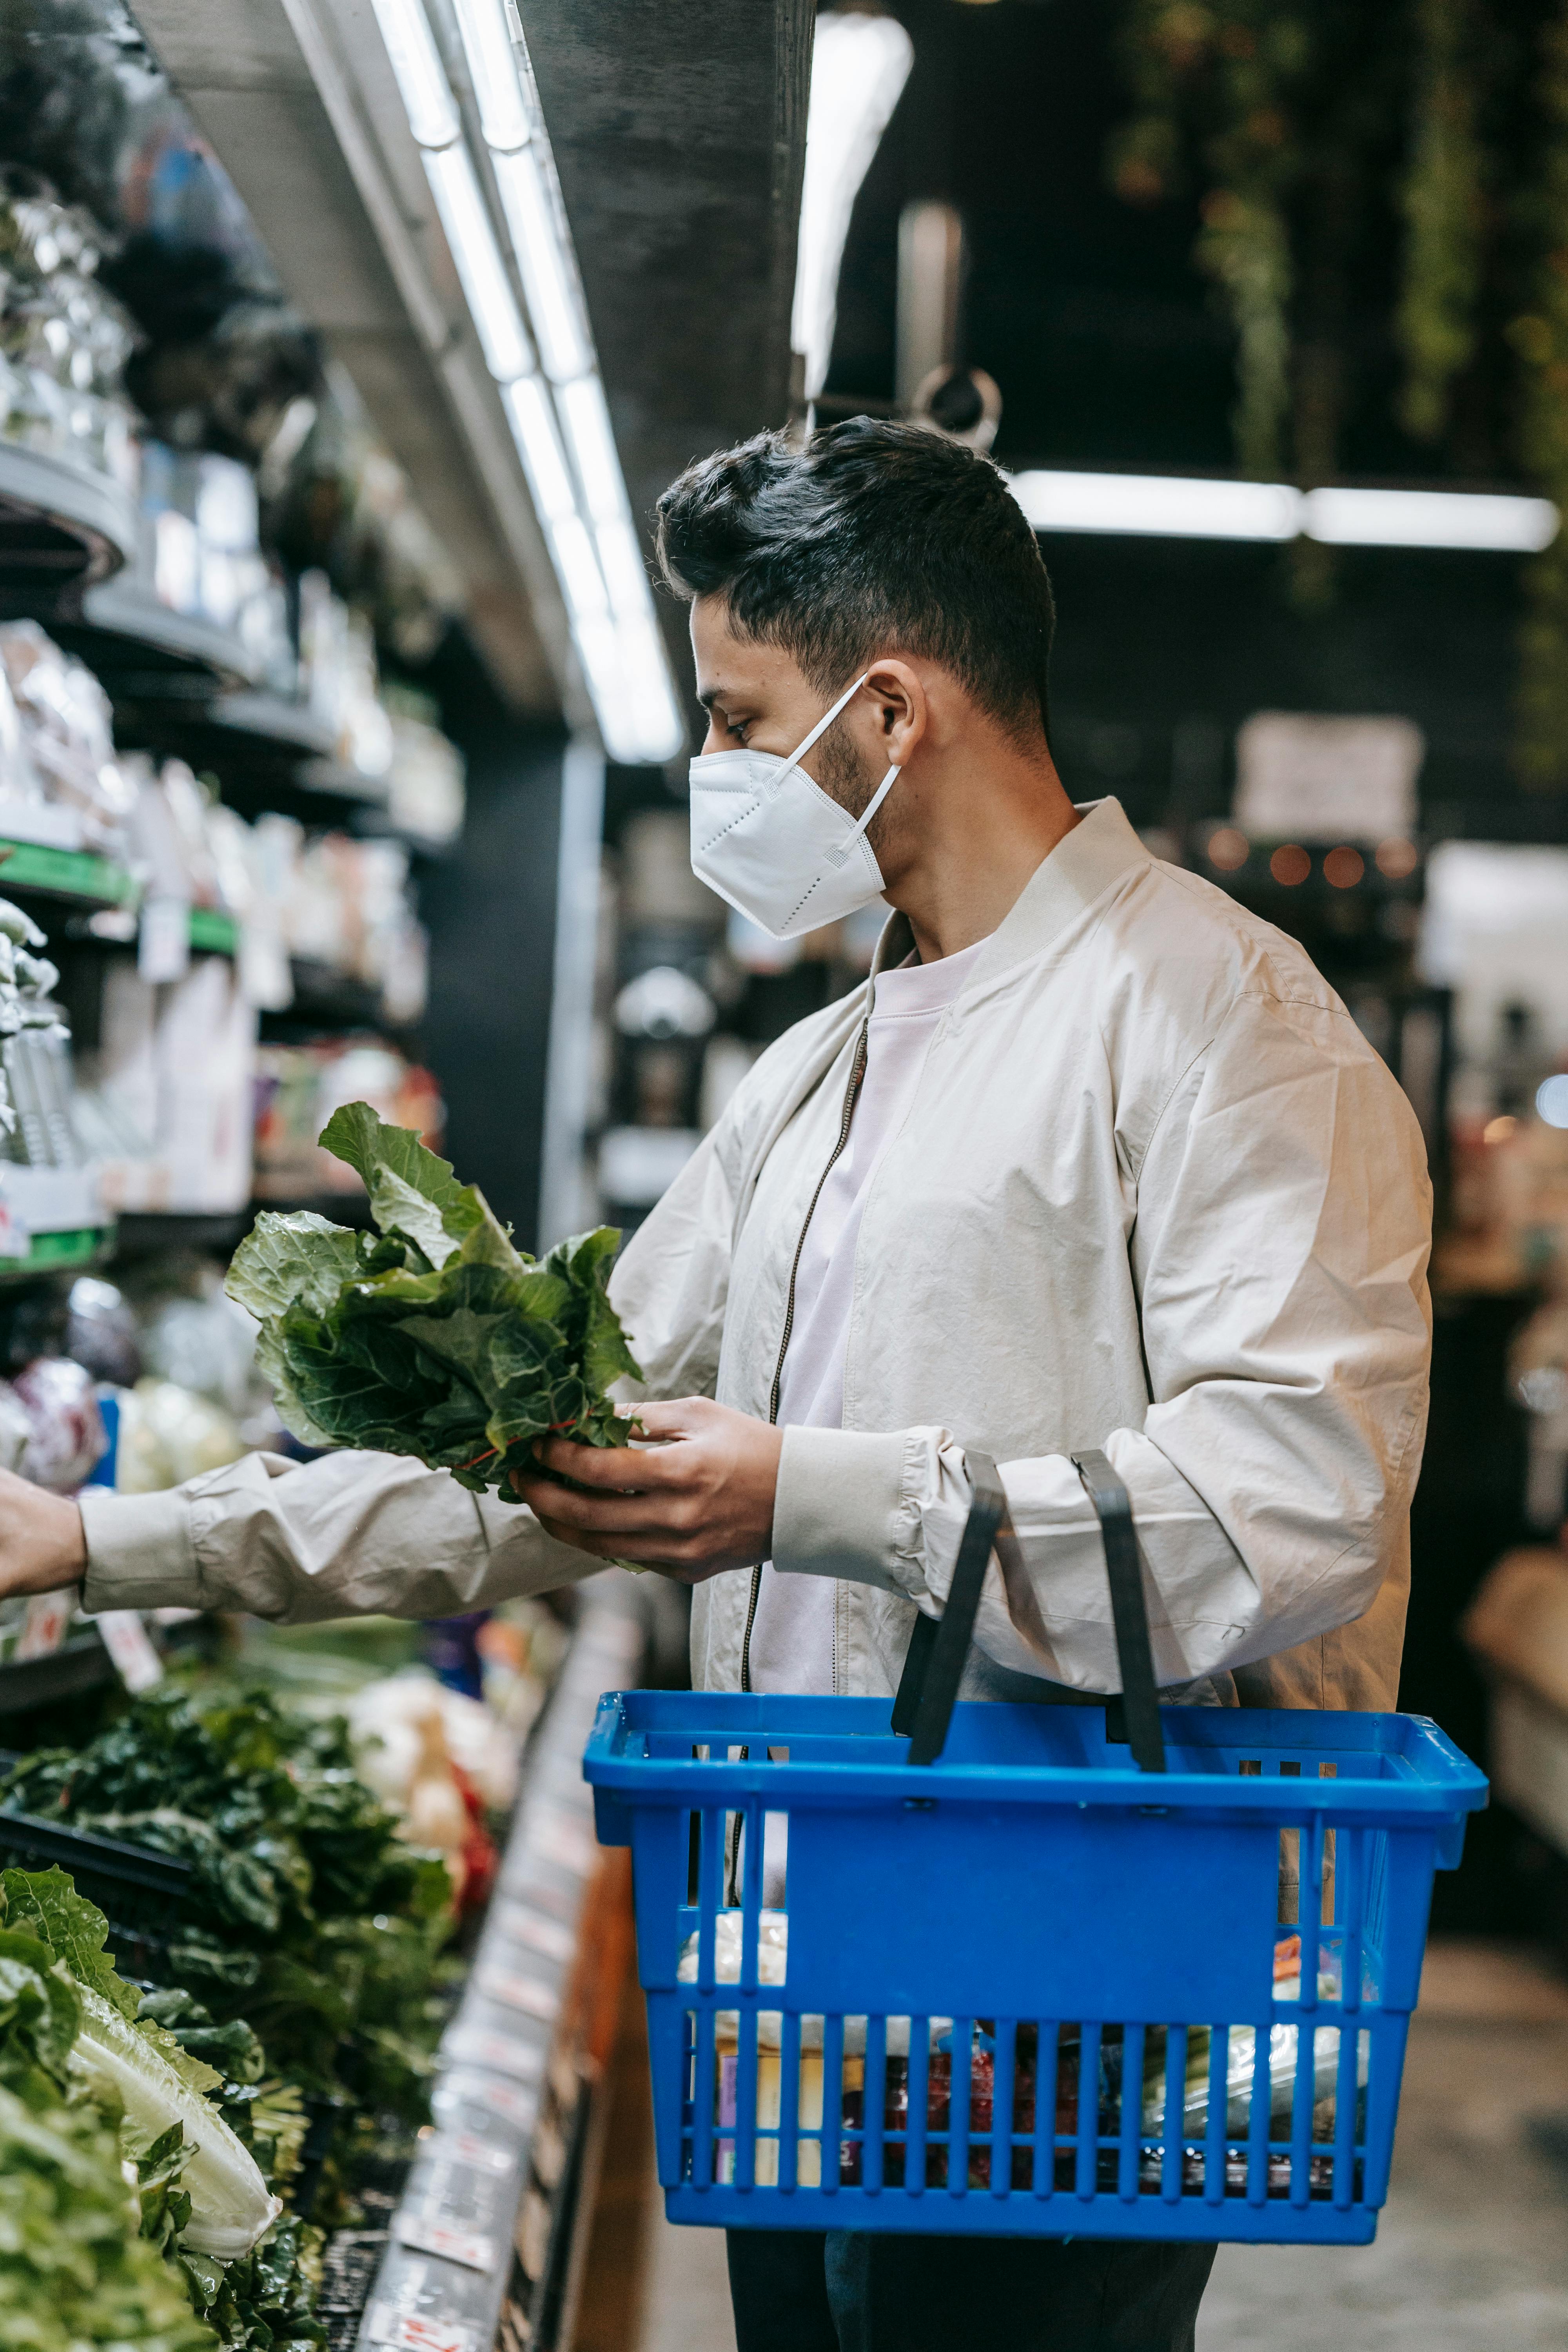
{"x":1037,"y":1991}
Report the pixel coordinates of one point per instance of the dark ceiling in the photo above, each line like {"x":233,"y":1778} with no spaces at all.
{"x":1111,"y":351}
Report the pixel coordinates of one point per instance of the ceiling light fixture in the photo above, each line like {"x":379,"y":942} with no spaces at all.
{"x":427,"y":97}
{"x":496,"y":316}
{"x":538,"y":445}
{"x":859,"y":64}
{"x":504,"y":115}
{"x":549,"y":277}
{"x":1173,"y":506}
{"x":587,"y":521}
{"x":1473,"y":519}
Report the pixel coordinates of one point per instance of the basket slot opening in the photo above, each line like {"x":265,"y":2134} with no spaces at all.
{"x":778,"y":1756}
{"x":1250,"y":1767}
{"x":1289,"y":1769}
{"x":776,"y":1861}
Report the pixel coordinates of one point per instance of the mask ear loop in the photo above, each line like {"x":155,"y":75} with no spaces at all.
{"x":836,"y":857}
{"x":822,"y":726}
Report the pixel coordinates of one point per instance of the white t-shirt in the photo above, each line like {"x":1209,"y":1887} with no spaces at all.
{"x":791,"y":1635}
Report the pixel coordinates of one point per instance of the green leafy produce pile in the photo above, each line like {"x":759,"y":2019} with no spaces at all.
{"x":75,"y":2270}
{"x":94,"y":2197}
{"x":307,"y":1917}
{"x":433,"y":1337}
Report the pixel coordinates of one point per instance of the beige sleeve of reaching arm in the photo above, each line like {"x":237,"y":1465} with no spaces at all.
{"x":350,"y":1535}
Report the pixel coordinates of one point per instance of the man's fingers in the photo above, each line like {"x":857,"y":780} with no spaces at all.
{"x":618,"y":1469}
{"x":595,"y":1514}
{"x":683,"y":1418}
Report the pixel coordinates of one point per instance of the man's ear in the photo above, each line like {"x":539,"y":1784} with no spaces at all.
{"x":902,"y":712}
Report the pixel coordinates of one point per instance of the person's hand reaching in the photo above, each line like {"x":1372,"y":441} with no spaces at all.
{"x":699,"y":1501}
{"x":42,"y":1546}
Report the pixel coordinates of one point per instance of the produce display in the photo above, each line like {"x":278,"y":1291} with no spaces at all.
{"x":124,"y":2189}
{"x":308,"y":1914}
{"x":433,"y":1336}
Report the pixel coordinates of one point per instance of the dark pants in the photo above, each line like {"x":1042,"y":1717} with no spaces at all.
{"x":856,"y":2291}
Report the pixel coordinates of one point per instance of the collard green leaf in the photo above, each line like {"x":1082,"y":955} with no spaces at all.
{"x":300,"y":1259}
{"x":436,"y":1339}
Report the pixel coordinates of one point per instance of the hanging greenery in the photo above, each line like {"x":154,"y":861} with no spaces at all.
{"x":1226,"y":76}
{"x":1310,"y":132}
{"x":1540,"y":340}
{"x":1441,"y":198}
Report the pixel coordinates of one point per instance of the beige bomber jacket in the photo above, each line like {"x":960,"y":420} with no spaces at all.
{"x":1155,"y":1193}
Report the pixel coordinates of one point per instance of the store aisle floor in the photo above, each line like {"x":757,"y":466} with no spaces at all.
{"x":1472,"y":2254}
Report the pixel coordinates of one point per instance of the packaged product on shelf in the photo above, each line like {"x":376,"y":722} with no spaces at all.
{"x":338,"y":670}
{"x":64,"y":341}
{"x":66,"y":730}
{"x":425,"y":794}
{"x":200,"y":553}
{"x":298,"y":1089}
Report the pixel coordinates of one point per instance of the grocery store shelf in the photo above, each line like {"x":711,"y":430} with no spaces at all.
{"x":213,"y":933}
{"x":491,"y":2226}
{"x":79,"y":874}
{"x":147,"y":1232}
{"x":126,"y":624}
{"x":62,"y":525}
{"x":58,"y":1253}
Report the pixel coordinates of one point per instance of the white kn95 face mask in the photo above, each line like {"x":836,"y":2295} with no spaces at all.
{"x":771,"y":841}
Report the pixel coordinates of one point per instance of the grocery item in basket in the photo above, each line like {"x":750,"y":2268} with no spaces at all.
{"x":434,"y":1335}
{"x":772,"y":1951}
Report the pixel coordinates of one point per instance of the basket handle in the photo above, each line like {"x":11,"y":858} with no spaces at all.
{"x":933,"y":1665}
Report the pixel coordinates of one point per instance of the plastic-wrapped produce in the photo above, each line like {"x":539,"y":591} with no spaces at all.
{"x":102,"y":1333}
{"x":167,"y":1434}
{"x":66,"y":1433}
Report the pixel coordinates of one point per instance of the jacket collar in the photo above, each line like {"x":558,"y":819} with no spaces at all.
{"x":1084,"y":865}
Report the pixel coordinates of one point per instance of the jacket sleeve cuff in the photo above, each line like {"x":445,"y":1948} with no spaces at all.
{"x":838,"y":1506}
{"x":139,"y":1554}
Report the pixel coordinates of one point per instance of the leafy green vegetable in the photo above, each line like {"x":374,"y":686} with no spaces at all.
{"x":308,"y":1917}
{"x":81,"y":2263}
{"x":74,"y":2270}
{"x":434,"y":1336}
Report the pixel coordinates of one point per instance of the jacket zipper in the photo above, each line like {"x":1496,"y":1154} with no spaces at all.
{"x":856,"y":1072}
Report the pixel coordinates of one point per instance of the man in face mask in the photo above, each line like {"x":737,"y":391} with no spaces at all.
{"x":1095,"y":1160}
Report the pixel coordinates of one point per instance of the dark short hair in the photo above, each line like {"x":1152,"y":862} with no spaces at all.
{"x":872,"y":537}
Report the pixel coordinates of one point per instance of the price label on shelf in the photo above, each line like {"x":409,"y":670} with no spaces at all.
{"x":471,"y":2046}
{"x":509,"y":2102}
{"x":45,"y":1623}
{"x":519,"y":1923}
{"x":127,"y":1640}
{"x":472,"y":2248}
{"x":416,"y":2331}
{"x":561,"y":1838}
{"x":515,"y":1992}
{"x":15,"y":1235}
{"x":468,"y":2147}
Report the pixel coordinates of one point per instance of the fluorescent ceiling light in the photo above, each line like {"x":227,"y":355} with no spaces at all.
{"x":426,"y":97}
{"x":655,"y":713}
{"x":1161,"y":506}
{"x":620,"y":560}
{"x":858,"y":66}
{"x":501,"y":332}
{"x":587,"y":421}
{"x":538,"y":445}
{"x":1170,"y":506}
{"x":578,"y":567}
{"x":492,"y":69}
{"x":1471,"y":519}
{"x":549,"y":276}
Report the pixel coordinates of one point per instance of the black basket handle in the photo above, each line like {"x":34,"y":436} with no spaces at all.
{"x":933,"y":1666}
